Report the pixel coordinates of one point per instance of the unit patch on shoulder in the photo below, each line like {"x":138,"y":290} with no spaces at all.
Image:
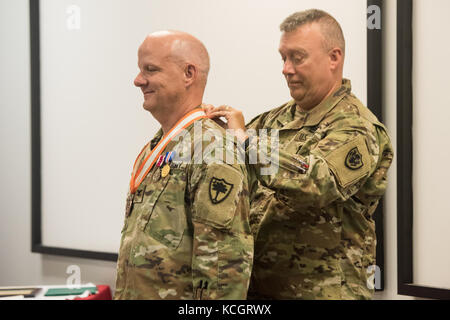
{"x":353,"y":161}
{"x":217,"y":196}
{"x":350,"y":162}
{"x":219,"y":190}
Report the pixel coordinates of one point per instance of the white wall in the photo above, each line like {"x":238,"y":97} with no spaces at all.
{"x":430,"y":152}
{"x":18,"y":266}
{"x":429,"y":240}
{"x":90,"y":108}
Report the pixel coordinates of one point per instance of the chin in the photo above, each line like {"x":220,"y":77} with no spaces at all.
{"x":297,"y":96}
{"x":148,"y":107}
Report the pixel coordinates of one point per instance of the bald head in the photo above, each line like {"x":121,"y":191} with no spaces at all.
{"x":183,"y":48}
{"x":173,"y":69}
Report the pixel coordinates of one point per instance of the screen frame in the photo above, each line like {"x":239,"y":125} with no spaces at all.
{"x":405,"y":105}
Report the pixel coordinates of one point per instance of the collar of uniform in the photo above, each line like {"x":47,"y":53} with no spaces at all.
{"x":318,"y":113}
{"x":293,"y":118}
{"x":158,"y":136}
{"x":156,"y":139}
{"x":288,"y":118}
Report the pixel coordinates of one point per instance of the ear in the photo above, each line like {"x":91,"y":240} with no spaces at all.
{"x":336,"y":58}
{"x":190,"y":74}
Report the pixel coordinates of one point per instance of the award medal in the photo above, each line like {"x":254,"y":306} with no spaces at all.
{"x":156,"y":175}
{"x":165,"y":171}
{"x":167,"y":160}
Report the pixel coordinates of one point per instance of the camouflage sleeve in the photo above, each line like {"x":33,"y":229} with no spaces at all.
{"x":222,"y":242}
{"x":333,"y":166}
{"x":375,"y":187}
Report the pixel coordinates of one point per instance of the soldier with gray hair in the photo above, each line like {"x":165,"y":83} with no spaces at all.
{"x":313,"y":223}
{"x":186,"y":233}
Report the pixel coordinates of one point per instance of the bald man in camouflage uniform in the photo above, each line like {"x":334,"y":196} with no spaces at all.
{"x":312,"y":219}
{"x":186,"y":232}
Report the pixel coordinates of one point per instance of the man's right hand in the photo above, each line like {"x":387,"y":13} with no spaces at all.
{"x":209,"y":108}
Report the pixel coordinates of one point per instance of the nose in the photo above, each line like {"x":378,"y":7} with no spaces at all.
{"x":288,"y":68}
{"x":140,"y":81}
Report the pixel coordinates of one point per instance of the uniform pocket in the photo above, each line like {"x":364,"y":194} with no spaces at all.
{"x":167,"y":221}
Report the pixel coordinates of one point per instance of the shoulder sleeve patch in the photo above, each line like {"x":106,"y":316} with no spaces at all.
{"x":216,"y":200}
{"x":351,"y":162}
{"x":219,"y":190}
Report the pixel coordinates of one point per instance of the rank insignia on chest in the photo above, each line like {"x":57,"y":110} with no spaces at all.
{"x":139,"y":195}
{"x":353,"y":160}
{"x":219,"y":190}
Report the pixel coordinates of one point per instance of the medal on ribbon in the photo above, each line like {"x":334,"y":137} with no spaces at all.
{"x":167,"y":160}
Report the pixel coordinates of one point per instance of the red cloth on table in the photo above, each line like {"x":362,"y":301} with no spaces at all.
{"x":103,"y":293}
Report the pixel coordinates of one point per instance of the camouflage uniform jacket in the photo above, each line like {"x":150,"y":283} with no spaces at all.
{"x":315,"y":233}
{"x":188,"y":234}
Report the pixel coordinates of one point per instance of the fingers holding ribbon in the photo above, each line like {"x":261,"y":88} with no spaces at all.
{"x":235,"y":118}
{"x":208,"y":108}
